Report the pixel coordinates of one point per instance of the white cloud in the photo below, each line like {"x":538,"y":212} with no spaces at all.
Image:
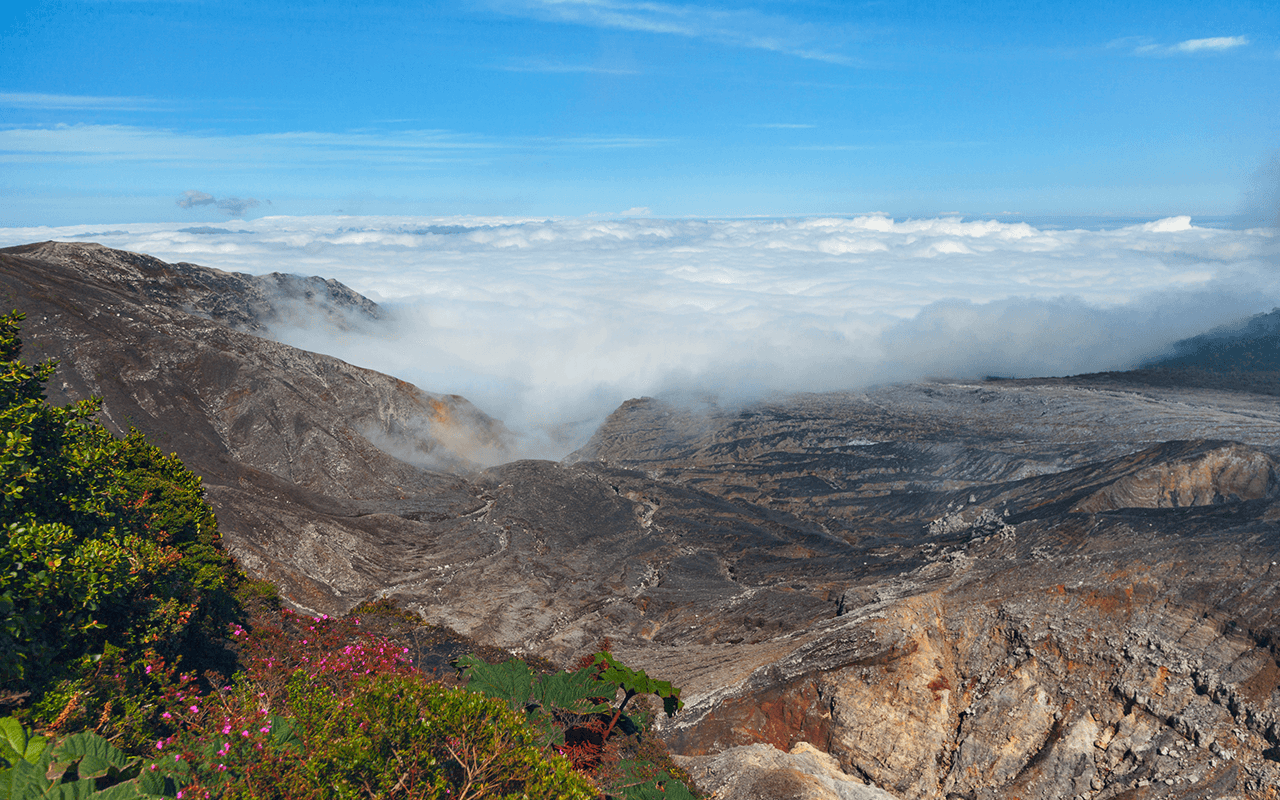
{"x":548,"y":323}
{"x":736,"y":27}
{"x":1168,"y":225}
{"x":1215,"y":44}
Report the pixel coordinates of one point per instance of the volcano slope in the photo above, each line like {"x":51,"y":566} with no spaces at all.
{"x":1033,"y":589}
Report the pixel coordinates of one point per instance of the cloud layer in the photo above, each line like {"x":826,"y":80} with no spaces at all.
{"x":550,"y":324}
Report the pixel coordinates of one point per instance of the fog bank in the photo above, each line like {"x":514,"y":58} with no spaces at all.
{"x":550,"y":324}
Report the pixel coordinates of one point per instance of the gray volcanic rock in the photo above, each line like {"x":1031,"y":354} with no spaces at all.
{"x":761,"y":772}
{"x":1038,"y":589}
{"x":282,"y":435}
{"x":1041,"y":599}
{"x":251,"y":303}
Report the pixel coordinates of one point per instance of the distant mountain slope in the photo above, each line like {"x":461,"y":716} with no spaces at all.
{"x":1253,"y":346}
{"x":250,"y":303}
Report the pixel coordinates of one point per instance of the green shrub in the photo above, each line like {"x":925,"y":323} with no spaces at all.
{"x":83,"y":765}
{"x":392,"y":736}
{"x":110,"y":558}
{"x":576,"y":713}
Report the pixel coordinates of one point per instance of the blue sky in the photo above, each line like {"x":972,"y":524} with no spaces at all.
{"x":164,"y":111}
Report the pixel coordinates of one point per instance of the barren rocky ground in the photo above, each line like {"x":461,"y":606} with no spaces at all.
{"x":993,"y":589}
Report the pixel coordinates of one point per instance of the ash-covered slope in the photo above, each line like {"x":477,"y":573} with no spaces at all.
{"x":278,"y":434}
{"x":1035,"y":589}
{"x":251,"y":303}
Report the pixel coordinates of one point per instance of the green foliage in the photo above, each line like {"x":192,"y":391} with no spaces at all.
{"x":576,"y":712}
{"x":511,"y":681}
{"x":106,"y":546}
{"x":577,"y":692}
{"x":17,"y":744}
{"x":635,"y":682}
{"x":395,"y":735}
{"x":642,"y":781}
{"x":83,"y":765}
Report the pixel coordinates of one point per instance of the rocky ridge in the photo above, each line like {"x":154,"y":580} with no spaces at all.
{"x":1035,"y":589}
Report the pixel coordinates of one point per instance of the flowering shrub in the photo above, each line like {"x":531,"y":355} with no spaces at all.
{"x":323,"y":710}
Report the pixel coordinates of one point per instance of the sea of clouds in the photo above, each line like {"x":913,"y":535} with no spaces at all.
{"x":550,"y":324}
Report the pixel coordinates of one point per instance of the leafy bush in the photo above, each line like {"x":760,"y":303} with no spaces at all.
{"x":109,"y":557}
{"x":83,"y":765}
{"x":575,"y":710}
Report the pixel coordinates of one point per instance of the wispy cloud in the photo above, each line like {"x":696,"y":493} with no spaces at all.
{"x":1212,"y":43}
{"x":1215,"y":44}
{"x":736,"y":27}
{"x":193,"y":198}
{"x":96,"y":144}
{"x":887,"y":145}
{"x":558,"y":67}
{"x":603,"y":142}
{"x":77,"y":102}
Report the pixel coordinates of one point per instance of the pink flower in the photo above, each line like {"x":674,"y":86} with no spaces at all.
{"x":160,"y":744}
{"x":195,"y":709}
{"x":166,"y":715}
